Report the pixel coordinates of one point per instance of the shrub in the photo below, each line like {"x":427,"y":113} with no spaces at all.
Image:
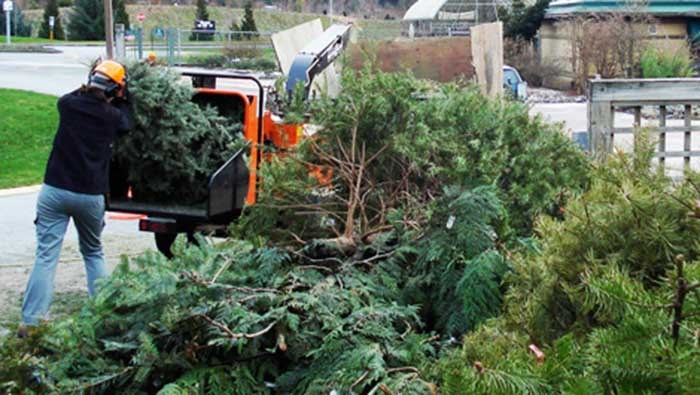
{"x":620,"y":38}
{"x":211,"y":60}
{"x":238,"y":51}
{"x":660,"y":64}
{"x":262,"y":64}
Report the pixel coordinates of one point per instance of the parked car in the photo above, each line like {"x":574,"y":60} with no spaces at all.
{"x":514,"y":84}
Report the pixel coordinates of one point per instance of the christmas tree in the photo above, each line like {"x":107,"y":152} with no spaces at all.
{"x":176,"y":144}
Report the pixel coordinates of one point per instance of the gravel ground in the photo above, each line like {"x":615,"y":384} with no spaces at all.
{"x":544,"y":95}
{"x":70,"y":284}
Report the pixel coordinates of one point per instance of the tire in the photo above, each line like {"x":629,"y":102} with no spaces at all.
{"x":164,"y":241}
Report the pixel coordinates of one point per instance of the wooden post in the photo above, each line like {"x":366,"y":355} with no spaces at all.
{"x":600,"y":123}
{"x":662,"y":135}
{"x":637,"y":125}
{"x":686,"y":136}
{"x":487,"y":57}
{"x":109,"y":29}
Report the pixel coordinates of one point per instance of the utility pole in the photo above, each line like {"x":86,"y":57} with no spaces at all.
{"x":7,"y":7}
{"x":109,"y":29}
{"x":330,"y":12}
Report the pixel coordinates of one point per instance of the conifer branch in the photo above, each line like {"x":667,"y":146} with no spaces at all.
{"x":359,"y":380}
{"x":231,"y":334}
{"x":403,"y":369}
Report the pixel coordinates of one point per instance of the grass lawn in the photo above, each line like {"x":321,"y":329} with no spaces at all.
{"x":37,"y":40}
{"x":27,"y":125}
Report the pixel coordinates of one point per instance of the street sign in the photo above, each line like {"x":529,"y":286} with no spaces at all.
{"x":7,"y":6}
{"x":140,"y":17}
{"x":52,"y":21}
{"x":158,"y":32}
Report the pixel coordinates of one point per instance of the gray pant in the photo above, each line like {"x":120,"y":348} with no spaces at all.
{"x":54,"y":209}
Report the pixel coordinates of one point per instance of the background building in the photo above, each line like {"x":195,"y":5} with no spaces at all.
{"x":666,"y":24}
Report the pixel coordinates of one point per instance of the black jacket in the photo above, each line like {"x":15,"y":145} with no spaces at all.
{"x":82,"y":148}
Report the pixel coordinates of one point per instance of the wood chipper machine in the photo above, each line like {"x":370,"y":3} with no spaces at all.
{"x":234,"y":184}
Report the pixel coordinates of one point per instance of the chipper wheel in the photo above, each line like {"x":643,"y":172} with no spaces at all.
{"x":164,"y":241}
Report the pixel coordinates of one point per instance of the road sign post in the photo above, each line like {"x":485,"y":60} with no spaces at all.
{"x":120,"y":44}
{"x":52,"y":23}
{"x":139,"y":34}
{"x":7,"y":7}
{"x":139,"y":42}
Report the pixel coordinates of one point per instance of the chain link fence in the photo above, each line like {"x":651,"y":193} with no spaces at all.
{"x":197,"y":47}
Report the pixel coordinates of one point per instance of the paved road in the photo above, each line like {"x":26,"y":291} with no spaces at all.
{"x":53,"y":74}
{"x":17,"y":240}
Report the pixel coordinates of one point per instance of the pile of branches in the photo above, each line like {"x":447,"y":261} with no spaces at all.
{"x":607,"y":302}
{"x":353,"y":280}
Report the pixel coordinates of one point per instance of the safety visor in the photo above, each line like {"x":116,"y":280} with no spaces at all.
{"x":101,"y":81}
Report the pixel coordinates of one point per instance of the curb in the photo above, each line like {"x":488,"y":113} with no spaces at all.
{"x":20,"y":190}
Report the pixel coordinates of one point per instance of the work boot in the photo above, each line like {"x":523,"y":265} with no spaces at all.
{"x":24,"y":331}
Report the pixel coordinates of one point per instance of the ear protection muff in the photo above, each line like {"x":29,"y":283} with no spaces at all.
{"x":105,"y":81}
{"x":112,"y":89}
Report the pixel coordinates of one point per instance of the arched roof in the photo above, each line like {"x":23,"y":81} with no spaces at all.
{"x":424,"y":9}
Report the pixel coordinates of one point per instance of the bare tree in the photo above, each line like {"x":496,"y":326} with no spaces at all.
{"x":610,"y":45}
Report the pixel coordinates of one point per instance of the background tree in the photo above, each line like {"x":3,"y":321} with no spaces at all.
{"x":51,"y":9}
{"x":248,"y":24}
{"x":19,"y":28}
{"x":620,"y":41}
{"x":202,"y":15}
{"x":235,"y":27}
{"x":87,"y":21}
{"x":120,"y":14}
{"x":522,"y":21}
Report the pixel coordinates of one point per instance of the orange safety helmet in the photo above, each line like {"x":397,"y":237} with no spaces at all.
{"x":113,"y":70}
{"x":109,"y":76}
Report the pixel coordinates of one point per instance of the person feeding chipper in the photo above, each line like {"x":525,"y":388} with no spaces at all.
{"x":75,"y":182}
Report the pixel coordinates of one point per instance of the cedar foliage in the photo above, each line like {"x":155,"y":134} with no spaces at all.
{"x":51,"y":9}
{"x":176,"y":144}
{"x":611,"y":295}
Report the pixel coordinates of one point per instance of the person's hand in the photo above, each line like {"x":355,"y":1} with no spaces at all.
{"x":123,"y":93}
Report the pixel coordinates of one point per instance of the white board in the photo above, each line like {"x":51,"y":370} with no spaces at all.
{"x":287,"y":45}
